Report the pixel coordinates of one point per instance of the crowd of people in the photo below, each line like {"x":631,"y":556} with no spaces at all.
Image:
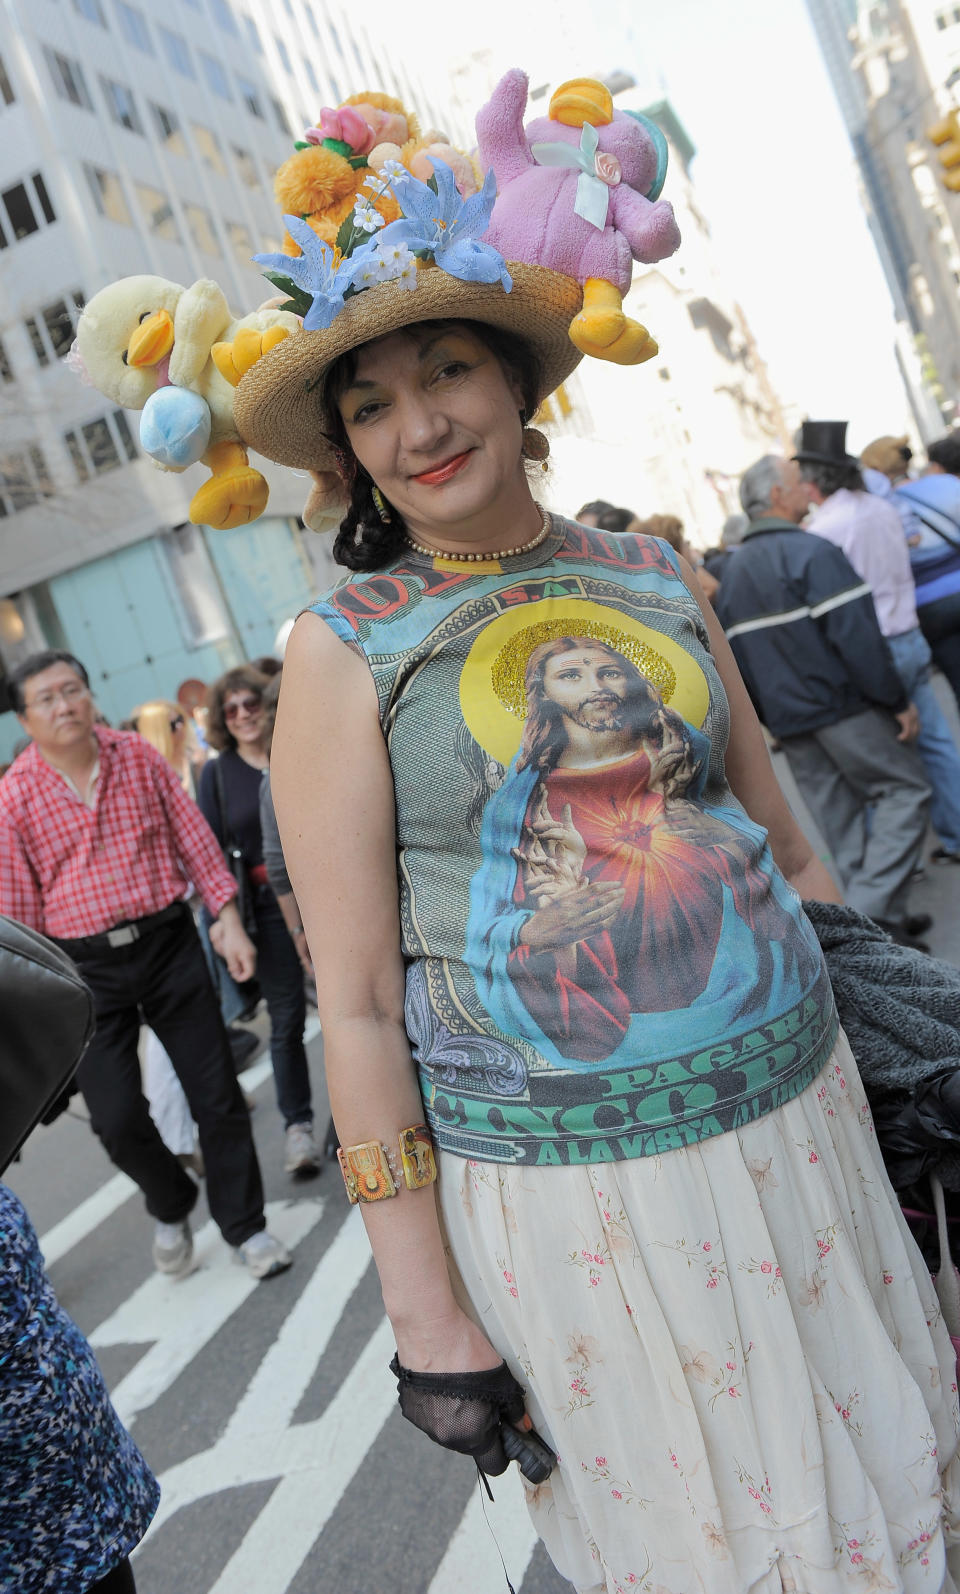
{"x":155,"y":829}
{"x":838,"y":588}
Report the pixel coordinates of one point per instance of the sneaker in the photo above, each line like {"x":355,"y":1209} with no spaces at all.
{"x":262,"y":1255}
{"x":173,"y":1249}
{"x":301,"y":1157}
{"x":941,"y":855}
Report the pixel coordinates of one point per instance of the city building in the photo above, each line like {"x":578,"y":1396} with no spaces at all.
{"x":135,"y":142}
{"x":894,"y":66}
{"x":131,"y":144}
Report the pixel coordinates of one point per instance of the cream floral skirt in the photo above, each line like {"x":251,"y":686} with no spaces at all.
{"x":735,"y":1351}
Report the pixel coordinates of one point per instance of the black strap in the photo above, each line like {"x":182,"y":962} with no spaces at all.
{"x":229,"y":839}
{"x":950,"y":541}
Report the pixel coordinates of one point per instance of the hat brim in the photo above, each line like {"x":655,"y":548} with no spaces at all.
{"x":809,"y":457}
{"x":278,"y":406}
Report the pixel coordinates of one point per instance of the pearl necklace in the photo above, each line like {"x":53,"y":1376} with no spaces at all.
{"x":486,"y":558}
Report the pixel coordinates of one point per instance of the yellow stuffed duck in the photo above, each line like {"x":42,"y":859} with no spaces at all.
{"x":176,"y":354}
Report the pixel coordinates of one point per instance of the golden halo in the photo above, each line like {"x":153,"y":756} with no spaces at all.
{"x":509,"y":671}
{"x":492,"y":695}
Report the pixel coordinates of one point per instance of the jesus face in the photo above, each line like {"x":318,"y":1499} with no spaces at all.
{"x":589,"y":687}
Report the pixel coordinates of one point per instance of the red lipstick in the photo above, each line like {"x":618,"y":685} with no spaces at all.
{"x":444,"y":472}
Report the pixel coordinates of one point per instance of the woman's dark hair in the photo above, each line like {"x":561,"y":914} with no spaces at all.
{"x":616,"y":520}
{"x":830,"y":479}
{"x":365,"y":541}
{"x":596,"y":507}
{"x":945,"y":452}
{"x":242,"y":678}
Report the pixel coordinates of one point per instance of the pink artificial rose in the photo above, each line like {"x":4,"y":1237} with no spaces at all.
{"x":349,"y":127}
{"x":766,"y":1267}
{"x":600,"y":1460}
{"x":607,"y":168}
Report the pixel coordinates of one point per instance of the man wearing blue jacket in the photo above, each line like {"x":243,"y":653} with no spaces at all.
{"x":804,"y":631}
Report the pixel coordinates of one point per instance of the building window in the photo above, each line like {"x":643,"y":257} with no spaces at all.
{"x":40,"y":188}
{"x":24,"y":479}
{"x":283,"y":121}
{"x":133,"y":25}
{"x":124,"y":433}
{"x":283,"y":53}
{"x":177,"y":51}
{"x":108,"y":194}
{"x":21,"y":206}
{"x":36,"y":340}
{"x":336,"y":42}
{"x":246,"y":166}
{"x":311,"y":74}
{"x":6,"y":92}
{"x":215,"y":75}
{"x":6,"y":371}
{"x":168,"y":129}
{"x":308,"y":11}
{"x":240,"y":242}
{"x":100,"y":446}
{"x":209,"y":146}
{"x":121,"y":105}
{"x":53,"y":328}
{"x":91,"y":10}
{"x":68,"y":79}
{"x":223,"y":16}
{"x":250,"y":95}
{"x":157,"y":212}
{"x":202,"y":230}
{"x":253,"y":34}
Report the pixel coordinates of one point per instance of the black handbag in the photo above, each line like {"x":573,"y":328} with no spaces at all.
{"x":237,"y":1002}
{"x":47,"y":1025}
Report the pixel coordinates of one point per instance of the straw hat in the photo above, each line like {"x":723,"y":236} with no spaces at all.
{"x":278,"y":408}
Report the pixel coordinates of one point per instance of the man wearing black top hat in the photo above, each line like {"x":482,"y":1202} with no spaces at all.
{"x":804,"y":631}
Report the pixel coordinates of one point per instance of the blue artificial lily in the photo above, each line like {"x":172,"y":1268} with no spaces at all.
{"x":316,"y":271}
{"x":447,"y":227}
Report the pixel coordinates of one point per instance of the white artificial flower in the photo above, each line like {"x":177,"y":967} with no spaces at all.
{"x":407,"y":278}
{"x":375,"y":186}
{"x":396,"y":173}
{"x":397,"y":254}
{"x":366,"y":218}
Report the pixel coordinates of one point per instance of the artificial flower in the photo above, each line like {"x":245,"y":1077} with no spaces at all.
{"x":365,"y":217}
{"x":316,"y":270}
{"x":448,"y":227}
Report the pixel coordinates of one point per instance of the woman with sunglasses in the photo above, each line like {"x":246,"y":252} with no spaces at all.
{"x":167,"y":727}
{"x":229,"y":798}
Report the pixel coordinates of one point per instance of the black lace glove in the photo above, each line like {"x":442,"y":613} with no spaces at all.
{"x":467,"y":1412}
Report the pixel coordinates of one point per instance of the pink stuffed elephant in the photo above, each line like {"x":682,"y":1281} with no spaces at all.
{"x":573,"y":193}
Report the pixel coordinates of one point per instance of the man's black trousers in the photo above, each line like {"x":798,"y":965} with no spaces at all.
{"x":162,"y":980}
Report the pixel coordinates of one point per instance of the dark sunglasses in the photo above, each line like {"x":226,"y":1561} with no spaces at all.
{"x":246,"y":705}
{"x":178,"y":723}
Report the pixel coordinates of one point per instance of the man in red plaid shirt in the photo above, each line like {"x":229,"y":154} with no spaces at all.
{"x":98,"y":844}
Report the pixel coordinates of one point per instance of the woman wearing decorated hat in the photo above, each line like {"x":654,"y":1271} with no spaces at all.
{"x":611,"y":1147}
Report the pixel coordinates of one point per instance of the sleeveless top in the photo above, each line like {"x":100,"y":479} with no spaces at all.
{"x":603,"y":960}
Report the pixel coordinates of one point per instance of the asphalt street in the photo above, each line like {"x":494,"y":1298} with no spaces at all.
{"x":267,"y":1410}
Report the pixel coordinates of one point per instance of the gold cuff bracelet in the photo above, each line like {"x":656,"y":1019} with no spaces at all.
{"x":371,"y":1173}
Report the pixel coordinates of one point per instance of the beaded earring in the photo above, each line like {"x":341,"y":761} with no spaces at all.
{"x":381,"y":506}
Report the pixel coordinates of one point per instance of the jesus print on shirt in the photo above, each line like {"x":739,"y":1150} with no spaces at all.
{"x":625,"y":882}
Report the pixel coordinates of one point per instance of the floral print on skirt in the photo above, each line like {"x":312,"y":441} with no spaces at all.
{"x":736,"y":1352}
